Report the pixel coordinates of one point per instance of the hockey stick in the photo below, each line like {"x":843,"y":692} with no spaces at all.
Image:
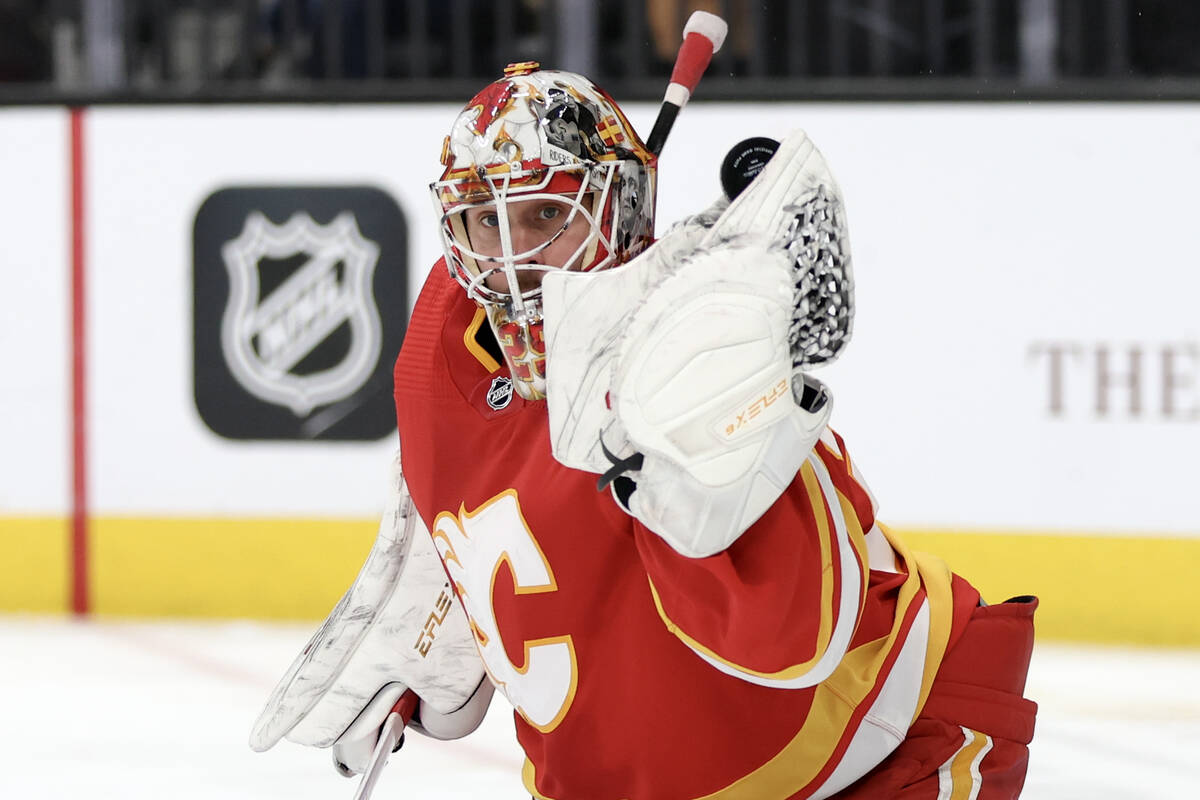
{"x":390,"y":736}
{"x":703,"y":36}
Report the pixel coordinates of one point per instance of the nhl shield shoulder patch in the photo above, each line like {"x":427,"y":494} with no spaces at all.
{"x":500,"y":393}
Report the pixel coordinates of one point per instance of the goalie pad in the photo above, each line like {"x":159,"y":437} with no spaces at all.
{"x":398,"y":627}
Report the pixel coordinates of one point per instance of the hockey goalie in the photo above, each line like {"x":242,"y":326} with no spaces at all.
{"x":618,"y":502}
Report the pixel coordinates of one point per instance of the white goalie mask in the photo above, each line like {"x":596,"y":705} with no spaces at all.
{"x":542,"y":171}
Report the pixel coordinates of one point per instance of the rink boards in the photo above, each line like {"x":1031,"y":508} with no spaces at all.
{"x":1022,"y":392}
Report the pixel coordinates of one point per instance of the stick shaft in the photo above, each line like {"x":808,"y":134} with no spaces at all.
{"x":662,"y":126}
{"x":389,"y":736}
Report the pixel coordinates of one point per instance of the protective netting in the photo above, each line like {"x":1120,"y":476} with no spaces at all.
{"x":823,"y":317}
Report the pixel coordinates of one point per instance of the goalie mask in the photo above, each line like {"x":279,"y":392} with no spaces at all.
{"x":542,"y":171}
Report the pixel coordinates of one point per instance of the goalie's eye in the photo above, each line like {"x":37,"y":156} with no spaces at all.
{"x":482,"y":218}
{"x":549,"y":211}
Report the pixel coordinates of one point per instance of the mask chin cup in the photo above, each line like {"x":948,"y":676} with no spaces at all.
{"x":522,"y":342}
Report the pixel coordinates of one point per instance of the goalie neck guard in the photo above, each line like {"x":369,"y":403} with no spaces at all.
{"x":542,"y":171}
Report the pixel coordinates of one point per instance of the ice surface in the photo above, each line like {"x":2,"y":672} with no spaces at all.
{"x":137,"y":710}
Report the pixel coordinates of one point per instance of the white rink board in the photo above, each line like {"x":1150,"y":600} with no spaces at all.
{"x":985,"y":238}
{"x":152,"y":169}
{"x":982,"y":233}
{"x":35,"y":312}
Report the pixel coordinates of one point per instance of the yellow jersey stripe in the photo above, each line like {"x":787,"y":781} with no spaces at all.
{"x":473,"y":346}
{"x":528,"y":773}
{"x":834,"y":702}
{"x":959,"y":778}
{"x":936,"y":577}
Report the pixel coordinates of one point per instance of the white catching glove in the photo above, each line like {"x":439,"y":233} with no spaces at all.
{"x":680,"y":365}
{"x":397,"y":628}
{"x":587,"y":319}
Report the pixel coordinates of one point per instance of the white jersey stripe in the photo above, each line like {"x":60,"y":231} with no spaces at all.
{"x":885,"y":724}
{"x":847,"y":603}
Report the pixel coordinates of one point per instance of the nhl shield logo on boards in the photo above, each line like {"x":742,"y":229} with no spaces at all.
{"x":265,"y":339}
{"x":300,"y":303}
{"x":500,"y":393}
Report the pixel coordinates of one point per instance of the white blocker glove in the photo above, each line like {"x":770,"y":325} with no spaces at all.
{"x":398,"y":628}
{"x":676,"y":375}
{"x":352,"y":750}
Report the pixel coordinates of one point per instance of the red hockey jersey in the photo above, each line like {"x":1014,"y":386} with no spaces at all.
{"x":784,"y":667}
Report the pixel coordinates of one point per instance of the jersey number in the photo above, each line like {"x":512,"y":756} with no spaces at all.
{"x":473,"y":545}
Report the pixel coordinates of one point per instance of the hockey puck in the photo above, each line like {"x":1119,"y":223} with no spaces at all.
{"x":744,"y":161}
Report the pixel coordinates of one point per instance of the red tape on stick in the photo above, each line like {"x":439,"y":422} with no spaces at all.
{"x":390,"y":735}
{"x":694,"y":55}
{"x":702,"y":36}
{"x":406,"y":706}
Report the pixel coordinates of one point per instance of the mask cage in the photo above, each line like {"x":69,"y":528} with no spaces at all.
{"x":570,"y":185}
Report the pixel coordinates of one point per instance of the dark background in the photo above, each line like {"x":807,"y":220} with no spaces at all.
{"x":337,"y":50}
